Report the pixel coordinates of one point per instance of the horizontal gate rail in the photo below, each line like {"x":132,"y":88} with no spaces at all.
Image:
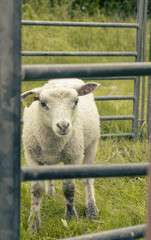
{"x":82,"y":54}
{"x":35,"y":71}
{"x":111,"y":78}
{"x":105,"y":118}
{"x":97,"y":78}
{"x":127,"y":233}
{"x":79,"y":24}
{"x":105,"y":98}
{"x":129,"y":135}
{"x":125,"y":117}
{"x":83,"y":171}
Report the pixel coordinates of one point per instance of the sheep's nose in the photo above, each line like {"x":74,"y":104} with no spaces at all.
{"x":63,"y":126}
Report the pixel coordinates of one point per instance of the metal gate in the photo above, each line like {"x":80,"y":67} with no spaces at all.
{"x":140,"y":27}
{"x":10,"y":172}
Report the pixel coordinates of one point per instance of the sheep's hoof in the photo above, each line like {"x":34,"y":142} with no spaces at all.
{"x":71,"y":212}
{"x":32,"y":230}
{"x":34,"y":224}
{"x":92,"y":211}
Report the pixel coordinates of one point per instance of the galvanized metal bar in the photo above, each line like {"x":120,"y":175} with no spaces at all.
{"x":127,"y":233}
{"x":82,"y":54}
{"x":125,"y":117}
{"x":79,"y":24}
{"x":148,"y":104}
{"x":30,"y":72}
{"x":83,"y":171}
{"x":129,"y":135}
{"x":148,"y":231}
{"x":10,"y":74}
{"x":140,"y":13}
{"x":108,"y":118}
{"x":143,"y":78}
{"x":106,"y":98}
{"x":149,"y":90}
{"x":92,"y":78}
{"x":110,"y":78}
{"x":140,"y":16}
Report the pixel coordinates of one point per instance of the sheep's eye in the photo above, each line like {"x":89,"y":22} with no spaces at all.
{"x":43,"y":104}
{"x":76,"y":102}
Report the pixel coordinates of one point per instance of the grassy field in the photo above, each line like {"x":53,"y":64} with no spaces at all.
{"x":121,"y":201}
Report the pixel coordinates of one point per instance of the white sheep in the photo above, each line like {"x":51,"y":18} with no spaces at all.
{"x":61,"y":124}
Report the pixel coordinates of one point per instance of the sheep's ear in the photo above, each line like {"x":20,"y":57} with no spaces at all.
{"x":87,"y":88}
{"x":27,"y":98}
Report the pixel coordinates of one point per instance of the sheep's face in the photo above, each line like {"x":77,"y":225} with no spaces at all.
{"x":58,"y":109}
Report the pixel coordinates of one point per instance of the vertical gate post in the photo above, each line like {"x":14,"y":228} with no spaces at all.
{"x":149,"y":90}
{"x":143,"y":78}
{"x":10,"y":72}
{"x":148,"y":231}
{"x":140,"y":13}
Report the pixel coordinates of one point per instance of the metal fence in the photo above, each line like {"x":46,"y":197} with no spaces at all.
{"x":140,"y":27}
{"x":10,"y":172}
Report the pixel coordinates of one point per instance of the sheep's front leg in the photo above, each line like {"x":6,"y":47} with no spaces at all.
{"x":50,"y":190}
{"x":91,"y":207}
{"x":34,"y":221}
{"x":69,"y":190}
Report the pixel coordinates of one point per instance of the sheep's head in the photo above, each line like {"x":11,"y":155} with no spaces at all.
{"x":58,"y":106}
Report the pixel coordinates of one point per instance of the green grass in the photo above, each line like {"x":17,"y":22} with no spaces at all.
{"x":121,"y":201}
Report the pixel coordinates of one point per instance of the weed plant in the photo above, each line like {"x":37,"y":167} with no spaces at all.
{"x":121,"y":201}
